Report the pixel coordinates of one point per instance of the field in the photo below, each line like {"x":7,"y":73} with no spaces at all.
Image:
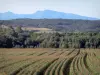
{"x":49,"y":61}
{"x":37,"y":29}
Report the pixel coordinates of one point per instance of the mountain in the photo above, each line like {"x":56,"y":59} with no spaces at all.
{"x":49,"y":14}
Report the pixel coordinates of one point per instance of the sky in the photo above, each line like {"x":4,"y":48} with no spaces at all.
{"x":90,"y":8}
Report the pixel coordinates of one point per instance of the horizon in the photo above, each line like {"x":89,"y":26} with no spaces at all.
{"x":88,"y":8}
{"x":47,"y":10}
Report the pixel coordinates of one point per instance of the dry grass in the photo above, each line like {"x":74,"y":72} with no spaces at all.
{"x":34,"y":28}
{"x":49,"y":61}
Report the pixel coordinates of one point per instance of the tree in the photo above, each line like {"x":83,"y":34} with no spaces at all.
{"x":10,"y":31}
{"x":18,"y":29}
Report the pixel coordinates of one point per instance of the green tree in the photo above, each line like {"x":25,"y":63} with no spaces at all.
{"x":10,"y":31}
{"x":18,"y":29}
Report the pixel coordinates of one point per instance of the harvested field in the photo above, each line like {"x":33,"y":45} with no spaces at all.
{"x":34,"y":28}
{"x":49,"y":61}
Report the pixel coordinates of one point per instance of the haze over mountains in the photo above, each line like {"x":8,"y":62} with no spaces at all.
{"x":48,"y":14}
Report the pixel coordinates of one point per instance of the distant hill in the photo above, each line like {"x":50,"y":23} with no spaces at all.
{"x":63,"y":25}
{"x":48,"y":14}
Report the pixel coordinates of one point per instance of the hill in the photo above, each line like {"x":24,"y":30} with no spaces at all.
{"x":64,"y":25}
{"x":49,"y":14}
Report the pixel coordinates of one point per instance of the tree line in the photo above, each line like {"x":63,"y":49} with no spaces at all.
{"x":17,"y":38}
{"x":63,"y":25}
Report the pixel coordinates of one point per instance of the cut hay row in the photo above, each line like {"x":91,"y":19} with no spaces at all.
{"x":59,"y":68}
{"x":49,"y":53}
{"x":67,"y":63}
{"x":65,"y":66}
{"x":37,"y":53}
{"x":65,"y":69}
{"x":19,"y":66}
{"x":97,"y":53}
{"x":53,"y":69}
{"x":61,"y":72}
{"x":50,"y":62}
{"x":89,"y":63}
{"x":79,"y":65}
{"x":48,"y":70}
{"x":71,"y":52}
{"x":66,"y":53}
{"x":31,"y":54}
{"x":27,"y":53}
{"x":43,"y":68}
{"x":57,"y":72}
{"x":93,"y":63}
{"x":35,"y":68}
{"x":83,"y":65}
{"x":59,"y":54}
{"x":18,"y":54}
{"x":52,"y":53}
{"x":74,"y":52}
{"x":10,"y":63}
{"x":39,"y":68}
{"x":15,"y":54}
{"x":3,"y":60}
{"x":42,"y":54}
{"x":31,"y":68}
{"x":74,"y":69}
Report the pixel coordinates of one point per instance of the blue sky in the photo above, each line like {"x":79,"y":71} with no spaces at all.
{"x":89,"y":8}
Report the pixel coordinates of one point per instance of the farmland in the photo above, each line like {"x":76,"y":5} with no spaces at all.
{"x":49,"y":61}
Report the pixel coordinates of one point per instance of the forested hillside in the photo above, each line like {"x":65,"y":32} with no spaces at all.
{"x":65,"y":25}
{"x":17,"y":38}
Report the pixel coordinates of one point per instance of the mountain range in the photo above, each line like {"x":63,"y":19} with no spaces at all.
{"x":48,"y":14}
